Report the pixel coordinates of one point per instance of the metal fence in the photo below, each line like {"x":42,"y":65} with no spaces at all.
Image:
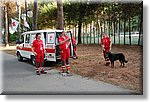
{"x":118,"y":39}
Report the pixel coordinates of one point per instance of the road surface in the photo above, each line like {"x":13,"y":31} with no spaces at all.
{"x":20,"y":78}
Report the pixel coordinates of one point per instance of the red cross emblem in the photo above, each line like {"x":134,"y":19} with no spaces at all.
{"x":13,"y":24}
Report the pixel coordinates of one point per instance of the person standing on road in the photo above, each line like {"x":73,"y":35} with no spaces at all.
{"x":74,"y":47}
{"x":64,"y":42}
{"x":106,"y":45}
{"x":38,"y":50}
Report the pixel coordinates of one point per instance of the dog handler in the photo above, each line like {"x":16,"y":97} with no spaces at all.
{"x":38,"y":50}
{"x":106,"y":45}
{"x":64,"y":42}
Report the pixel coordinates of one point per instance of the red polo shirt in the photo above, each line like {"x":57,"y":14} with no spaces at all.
{"x":106,"y":42}
{"x":65,"y":45}
{"x":38,"y":45}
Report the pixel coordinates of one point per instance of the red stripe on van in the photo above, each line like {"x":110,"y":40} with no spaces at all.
{"x":26,"y":49}
{"x":29,"y":49}
{"x":50,"y":50}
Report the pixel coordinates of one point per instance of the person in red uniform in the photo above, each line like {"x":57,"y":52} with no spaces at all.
{"x":74,"y":48}
{"x":106,"y":45}
{"x":64,"y":42}
{"x":38,"y":50}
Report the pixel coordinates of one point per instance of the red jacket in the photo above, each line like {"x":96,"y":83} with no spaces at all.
{"x":38,"y":45}
{"x":106,"y":42}
{"x":65,"y":45}
{"x":74,"y":41}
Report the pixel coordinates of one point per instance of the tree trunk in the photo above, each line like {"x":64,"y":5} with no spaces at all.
{"x":98,"y":26}
{"x":79,"y":31}
{"x":79,"y":24}
{"x":101,"y":29}
{"x":83,"y":34}
{"x":6,"y":25}
{"x":104,"y":26}
{"x":109,"y":22}
{"x":94,"y":30}
{"x":75,"y":32}
{"x":119,"y":30}
{"x":129,"y":31}
{"x":86,"y":34}
{"x":90,"y":32}
{"x":26,"y":8}
{"x":26,"y":11}
{"x":124,"y":32}
{"x":114,"y":32}
{"x":35,"y":15}
{"x":60,"y":15}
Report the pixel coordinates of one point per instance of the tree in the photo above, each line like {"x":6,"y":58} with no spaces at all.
{"x":48,"y":15}
{"x":6,"y":23}
{"x":35,"y":15}
{"x":77,"y":13}
{"x":60,"y":15}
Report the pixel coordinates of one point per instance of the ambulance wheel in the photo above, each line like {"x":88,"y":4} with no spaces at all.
{"x":33,"y":60}
{"x":20,"y":58}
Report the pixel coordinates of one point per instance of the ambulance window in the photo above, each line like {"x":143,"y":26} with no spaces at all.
{"x":33,"y":37}
{"x":50,"y":37}
{"x":22,"y":38}
{"x":57,"y":37}
{"x":27,"y":39}
{"x":45,"y":37}
{"x":58,"y":34}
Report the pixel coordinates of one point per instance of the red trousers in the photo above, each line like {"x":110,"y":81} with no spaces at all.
{"x":104,"y":53}
{"x":40,"y":58}
{"x":107,"y":49}
{"x":65,"y":54}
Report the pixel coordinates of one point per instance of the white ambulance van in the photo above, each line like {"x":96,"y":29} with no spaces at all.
{"x":51,"y":44}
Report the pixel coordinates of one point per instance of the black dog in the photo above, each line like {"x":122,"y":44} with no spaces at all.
{"x":116,"y":56}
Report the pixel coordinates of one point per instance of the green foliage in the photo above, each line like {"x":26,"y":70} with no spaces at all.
{"x":48,"y":15}
{"x":13,"y":37}
{"x":85,"y":12}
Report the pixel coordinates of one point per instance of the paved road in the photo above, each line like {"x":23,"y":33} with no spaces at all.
{"x":19,"y":78}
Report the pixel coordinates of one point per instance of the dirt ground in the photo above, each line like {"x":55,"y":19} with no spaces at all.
{"x":90,"y":63}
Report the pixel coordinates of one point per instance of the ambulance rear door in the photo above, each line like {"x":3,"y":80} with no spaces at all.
{"x":68,"y":33}
{"x":58,"y":34}
{"x":50,"y":46}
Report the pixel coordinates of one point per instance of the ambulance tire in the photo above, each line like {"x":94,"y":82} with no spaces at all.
{"x":33,"y":60}
{"x":20,"y":58}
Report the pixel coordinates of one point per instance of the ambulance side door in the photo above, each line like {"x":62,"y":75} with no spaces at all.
{"x":50,"y":46}
{"x":57,"y":35}
{"x":27,"y":46}
{"x":23,"y":50}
